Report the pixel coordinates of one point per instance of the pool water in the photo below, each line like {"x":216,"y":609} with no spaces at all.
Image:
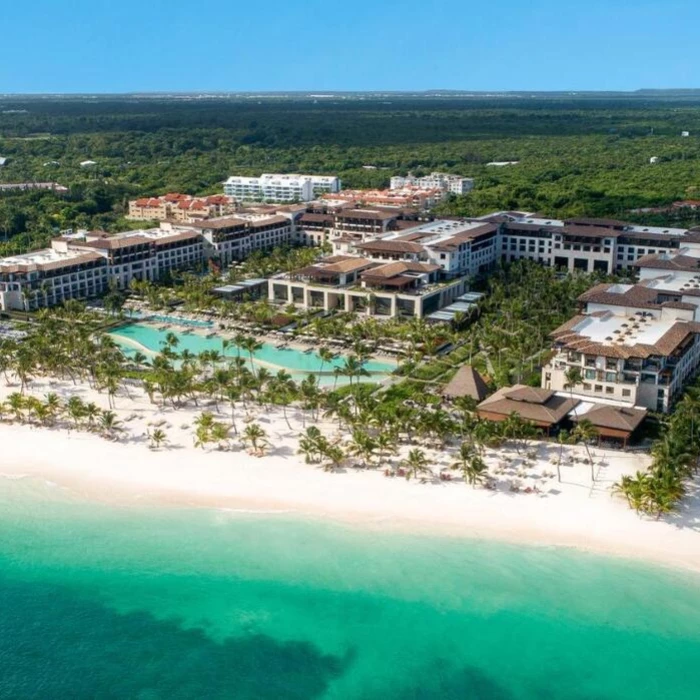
{"x":150,"y":340}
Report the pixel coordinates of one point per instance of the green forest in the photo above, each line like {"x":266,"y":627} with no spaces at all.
{"x":575,"y":156}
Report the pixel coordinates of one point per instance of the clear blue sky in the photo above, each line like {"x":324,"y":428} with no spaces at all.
{"x":159,"y":45}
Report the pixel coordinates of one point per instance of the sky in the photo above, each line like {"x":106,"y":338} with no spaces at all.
{"x":98,"y":46}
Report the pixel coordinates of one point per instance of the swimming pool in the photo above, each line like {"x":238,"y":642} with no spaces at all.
{"x":150,"y":340}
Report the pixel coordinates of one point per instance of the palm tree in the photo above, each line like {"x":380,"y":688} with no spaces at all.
{"x":326,"y":356}
{"x":157,"y":438}
{"x":75,"y":409}
{"x":562,"y":438}
{"x":416,"y":463}
{"x":583,"y":433}
{"x":256,"y":437}
{"x":53,"y":405}
{"x":16,"y":403}
{"x":474,"y":470}
{"x":251,"y":346}
{"x":363,"y":446}
{"x":219,"y":434}
{"x":573,"y":377}
{"x":109,"y":423}
{"x":310,"y":444}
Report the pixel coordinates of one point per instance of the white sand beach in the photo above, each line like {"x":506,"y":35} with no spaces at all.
{"x":575,"y":512}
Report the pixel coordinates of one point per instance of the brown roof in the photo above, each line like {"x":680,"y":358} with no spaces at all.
{"x":392,"y":246}
{"x":335,"y":265}
{"x":223,"y":222}
{"x":105,"y":242}
{"x":366,"y":214}
{"x":637,"y":295}
{"x":467,"y":382}
{"x":463,"y":236}
{"x":178,"y":236}
{"x":268,"y":221}
{"x":589,"y":231}
{"x":397,"y":268}
{"x":596,"y":222}
{"x":613,"y":417}
{"x":310,"y":217}
{"x":516,"y":226}
{"x":676,"y":262}
{"x":540,"y":406}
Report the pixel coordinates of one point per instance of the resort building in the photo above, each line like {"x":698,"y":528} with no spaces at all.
{"x":404,"y":197}
{"x":232,"y":239}
{"x":354,"y":283}
{"x":588,"y":245}
{"x":636,"y":344}
{"x":445,"y":182}
{"x":458,"y":247}
{"x":633,"y":344}
{"x":84,"y":265}
{"x":180,"y":207}
{"x":49,"y":277}
{"x":280,"y":188}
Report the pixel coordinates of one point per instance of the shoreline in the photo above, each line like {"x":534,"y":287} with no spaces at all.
{"x":132,"y":475}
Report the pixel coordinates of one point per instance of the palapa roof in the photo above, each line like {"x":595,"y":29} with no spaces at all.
{"x":467,"y":382}
{"x":541,"y":406}
{"x":613,"y":417}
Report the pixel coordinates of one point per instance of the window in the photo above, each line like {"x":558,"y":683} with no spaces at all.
{"x":609,"y":390}
{"x":586,"y":387}
{"x":626,"y":393}
{"x":599,"y":388}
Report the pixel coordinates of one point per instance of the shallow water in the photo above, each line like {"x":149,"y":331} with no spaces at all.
{"x":297,"y":362}
{"x":117,"y":602}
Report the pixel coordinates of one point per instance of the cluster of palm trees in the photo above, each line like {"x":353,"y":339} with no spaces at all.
{"x":209,"y":430}
{"x":675,"y":456}
{"x":52,"y":411}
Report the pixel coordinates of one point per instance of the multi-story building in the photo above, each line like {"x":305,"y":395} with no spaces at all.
{"x":636,"y":343}
{"x":84,"y":265}
{"x":232,"y":239}
{"x":404,"y":197}
{"x":359,"y":284}
{"x":180,"y":207}
{"x":633,"y":344}
{"x":588,"y":245}
{"x":445,"y":182}
{"x":280,"y":188}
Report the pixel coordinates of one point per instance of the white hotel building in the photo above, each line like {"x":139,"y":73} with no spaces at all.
{"x":280,"y":188}
{"x":445,"y":182}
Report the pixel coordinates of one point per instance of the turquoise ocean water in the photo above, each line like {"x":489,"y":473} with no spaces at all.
{"x":101,"y":601}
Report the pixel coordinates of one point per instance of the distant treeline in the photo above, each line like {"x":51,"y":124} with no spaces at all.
{"x":587,"y":156}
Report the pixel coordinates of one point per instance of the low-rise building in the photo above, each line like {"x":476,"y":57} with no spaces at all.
{"x":280,"y":187}
{"x":180,"y":207}
{"x":404,"y":197}
{"x":447,"y":183}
